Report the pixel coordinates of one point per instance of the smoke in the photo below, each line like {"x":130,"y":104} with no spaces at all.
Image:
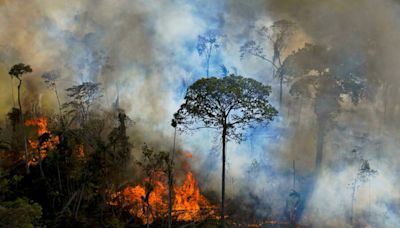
{"x":145,"y":52}
{"x":366,"y":29}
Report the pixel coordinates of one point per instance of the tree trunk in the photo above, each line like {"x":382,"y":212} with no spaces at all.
{"x":353,"y":199}
{"x":12,"y":92}
{"x":147,"y":214}
{"x":67,"y":204}
{"x":208,"y":60}
{"x":40,"y":162}
{"x":79,"y":201}
{"x":223,"y":176}
{"x":280,"y":90}
{"x":170,"y":182}
{"x":169,"y":197}
{"x":320,"y":146}
{"x":22,"y":126}
{"x":58,"y":100}
{"x":59,"y":177}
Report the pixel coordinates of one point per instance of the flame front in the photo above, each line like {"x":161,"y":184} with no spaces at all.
{"x":45,"y":142}
{"x":188,"y":203}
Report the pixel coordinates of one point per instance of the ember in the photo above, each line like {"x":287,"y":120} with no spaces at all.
{"x":81,"y":151}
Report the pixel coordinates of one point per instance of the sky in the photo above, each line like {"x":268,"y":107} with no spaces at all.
{"x":144,"y":51}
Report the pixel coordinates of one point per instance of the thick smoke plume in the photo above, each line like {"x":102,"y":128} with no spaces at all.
{"x":144,"y":54}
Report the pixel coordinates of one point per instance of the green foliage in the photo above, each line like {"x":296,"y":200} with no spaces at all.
{"x":229,"y":104}
{"x":20,"y":213}
{"x":233,"y":102}
{"x":113,"y":223}
{"x":153,"y":162}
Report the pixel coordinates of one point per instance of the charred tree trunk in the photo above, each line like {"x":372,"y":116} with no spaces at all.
{"x":148,"y":209}
{"x":40,"y":162}
{"x":59,"y":176}
{"x":58,"y":100}
{"x":169,"y":197}
{"x":170,"y":179}
{"x":12,"y":92}
{"x":79,"y":201}
{"x":224,"y":131}
{"x":22,"y":126}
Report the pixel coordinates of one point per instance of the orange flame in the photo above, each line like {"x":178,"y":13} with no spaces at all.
{"x":40,"y":149}
{"x":40,"y":123}
{"x":144,"y":207}
{"x":188,"y":203}
{"x":186,"y":154}
{"x":81,"y":151}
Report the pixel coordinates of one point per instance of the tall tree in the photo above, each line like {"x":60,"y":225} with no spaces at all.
{"x":229,"y":105}
{"x":119,"y":145}
{"x":171,"y":175}
{"x":17,"y":71}
{"x":278,"y":36}
{"x":83,"y":98}
{"x":50,"y":79}
{"x":325,"y":75}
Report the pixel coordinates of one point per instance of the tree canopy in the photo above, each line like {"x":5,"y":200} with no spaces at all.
{"x":82,"y":97}
{"x":233,"y":102}
{"x":19,"y":69}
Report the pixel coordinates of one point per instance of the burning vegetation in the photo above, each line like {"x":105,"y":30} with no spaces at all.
{"x":148,"y":201}
{"x":306,"y":138}
{"x":44,"y":142}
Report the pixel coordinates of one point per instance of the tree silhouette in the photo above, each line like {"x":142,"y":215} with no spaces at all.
{"x":83,"y":97}
{"x":50,"y":79}
{"x":206,"y":44}
{"x":171,"y":175}
{"x":17,"y":71}
{"x":230,"y":105}
{"x":277,"y":35}
{"x":324,"y":75}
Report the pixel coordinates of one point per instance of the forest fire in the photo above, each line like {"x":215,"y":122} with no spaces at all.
{"x":189,"y":202}
{"x":149,"y":202}
{"x":141,"y":203}
{"x":45,"y":141}
{"x":289,"y":107}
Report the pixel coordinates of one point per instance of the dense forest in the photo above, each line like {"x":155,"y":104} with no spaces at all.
{"x":199,"y":114}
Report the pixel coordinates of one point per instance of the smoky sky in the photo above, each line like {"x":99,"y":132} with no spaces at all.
{"x":145,"y":53}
